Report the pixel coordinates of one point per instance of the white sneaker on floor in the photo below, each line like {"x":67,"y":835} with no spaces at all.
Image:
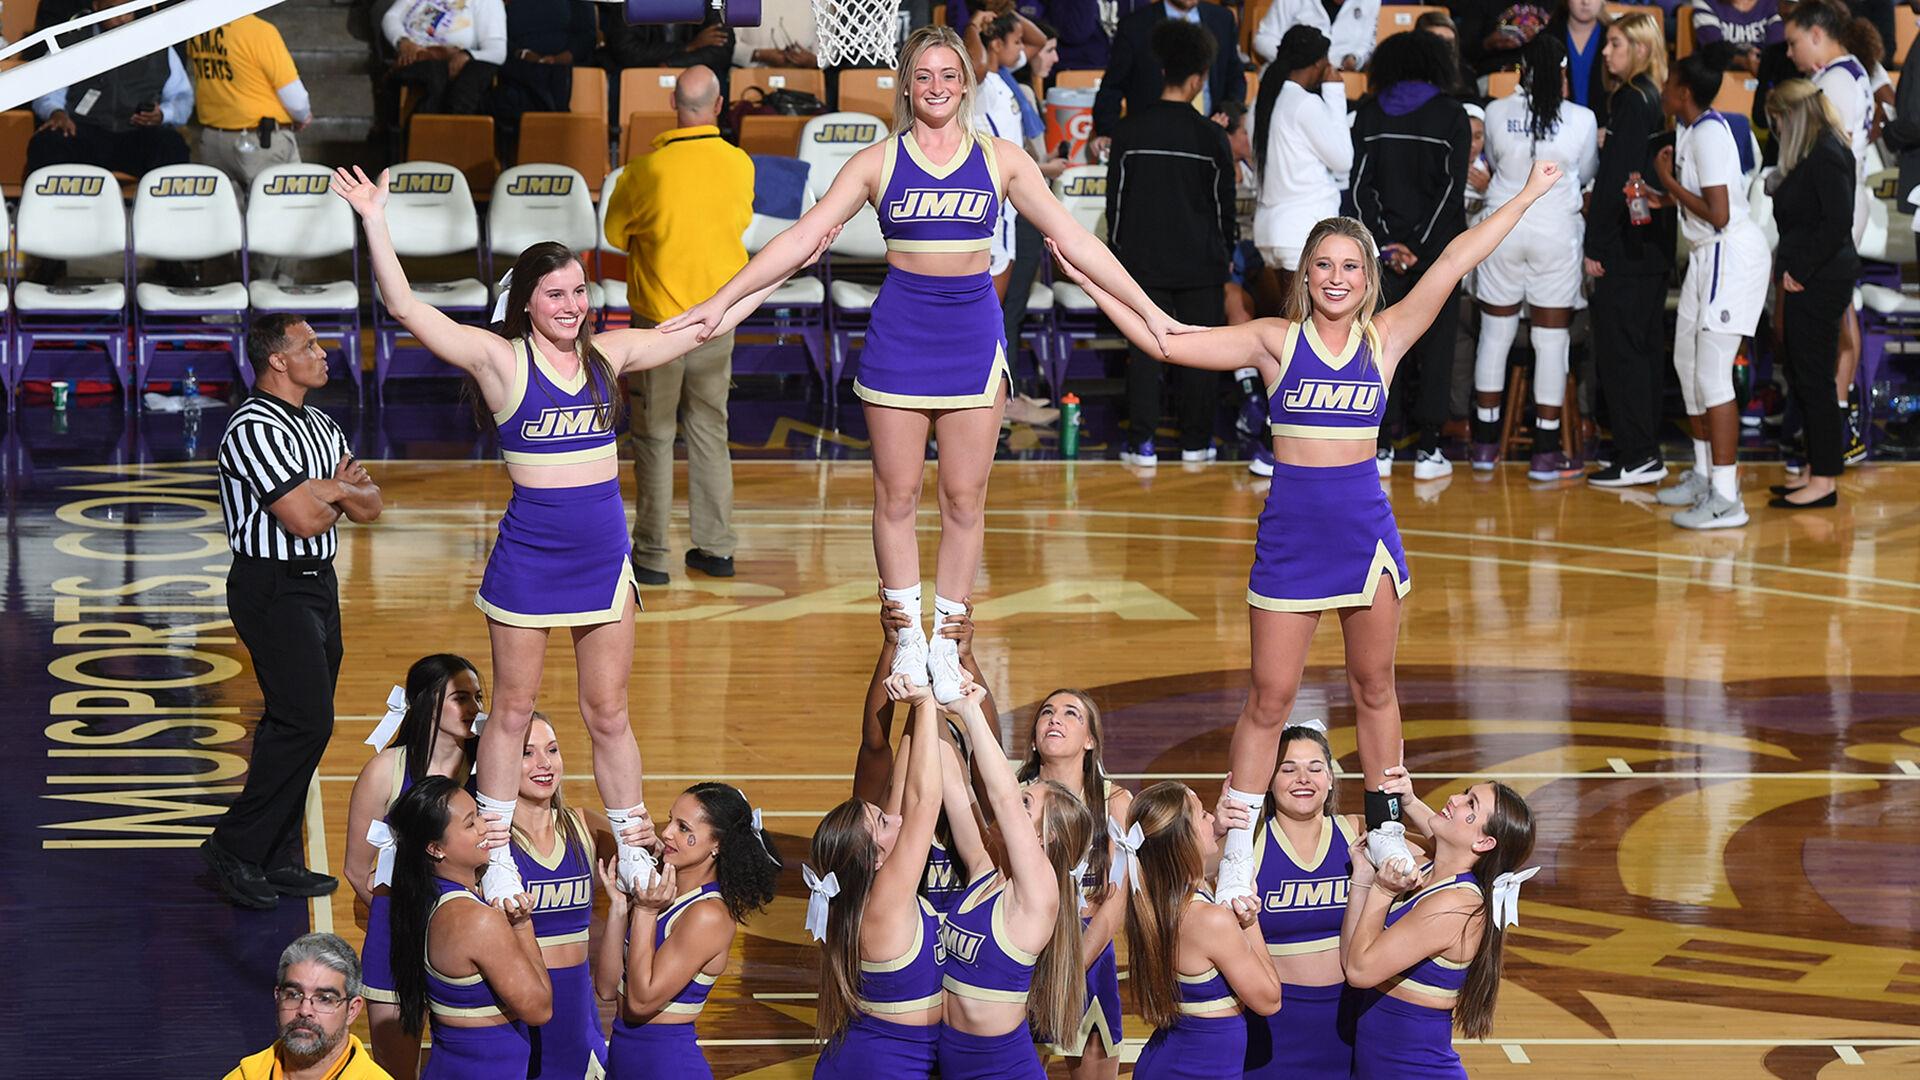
{"x":501,"y":881}
{"x":910,"y":658}
{"x":943,"y":666}
{"x":1209,"y":454}
{"x":1235,"y":879}
{"x":1431,"y":465}
{"x":1383,"y":460}
{"x":1388,"y":843}
{"x":1715,"y":512}
{"x":1688,"y":492}
{"x":636,"y":868}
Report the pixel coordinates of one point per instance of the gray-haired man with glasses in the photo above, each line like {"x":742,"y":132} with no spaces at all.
{"x":317,"y":995}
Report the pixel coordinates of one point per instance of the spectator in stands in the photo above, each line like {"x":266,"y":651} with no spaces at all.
{"x":123,"y":119}
{"x":1302,"y":149}
{"x":1578,"y":24}
{"x":709,"y":45}
{"x":995,"y":41}
{"x":248,"y":98}
{"x":1440,"y":25}
{"x":1172,"y":222}
{"x":1747,"y":25}
{"x":1029,"y":246}
{"x":545,"y":38}
{"x":449,"y":50}
{"x":1351,"y":27}
{"x":1411,"y":144}
{"x":1492,"y":32}
{"x":1903,"y":131}
{"x":786,"y":37}
{"x":679,"y":213}
{"x":317,"y":992}
{"x":1133,"y":74}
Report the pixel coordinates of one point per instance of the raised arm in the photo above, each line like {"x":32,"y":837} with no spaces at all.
{"x":1034,"y":892}
{"x":1235,"y":946}
{"x":1219,"y":348}
{"x":1402,"y":324}
{"x":610,"y":951}
{"x":956,"y":797}
{"x":654,"y":976}
{"x":899,"y":877}
{"x":481,"y":353}
{"x":874,"y":765}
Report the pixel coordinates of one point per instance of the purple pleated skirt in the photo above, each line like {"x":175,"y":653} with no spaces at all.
{"x":500,"y":1052}
{"x":933,"y":343}
{"x":876,"y":1049}
{"x":1102,"y":1018}
{"x":989,"y":1057}
{"x":655,"y":1052}
{"x":1396,"y":1040}
{"x":1325,"y":538}
{"x":1195,"y":1048}
{"x":1311,"y":1035}
{"x":564,"y":1046}
{"x":561,"y":558}
{"x":376,"y":953}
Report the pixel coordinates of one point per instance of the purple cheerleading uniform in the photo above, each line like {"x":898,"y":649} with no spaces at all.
{"x":983,"y":965}
{"x":1197,"y":1047}
{"x":1102,"y":1016}
{"x":944,"y":882}
{"x":874,"y":1047}
{"x":1326,"y":533}
{"x":562,"y":555}
{"x":500,"y":1052}
{"x":645,"y":1051}
{"x":561,"y":884}
{"x":376,"y":951}
{"x":1302,"y":898}
{"x":1398,"y":1040}
{"x":935,"y":342}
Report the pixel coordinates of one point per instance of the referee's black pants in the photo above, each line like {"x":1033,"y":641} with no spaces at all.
{"x":288,"y":617}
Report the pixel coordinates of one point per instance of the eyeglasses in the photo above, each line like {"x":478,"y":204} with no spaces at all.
{"x":323,"y":1001}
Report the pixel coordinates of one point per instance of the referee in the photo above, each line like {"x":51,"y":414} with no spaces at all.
{"x":286,"y":479}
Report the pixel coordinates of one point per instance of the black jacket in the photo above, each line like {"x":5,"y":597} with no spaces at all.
{"x":1410,"y":173}
{"x":1902,"y":133}
{"x":1133,"y":74}
{"x":1634,"y":123}
{"x":1170,"y":197}
{"x":1814,"y":208}
{"x":657,"y":46}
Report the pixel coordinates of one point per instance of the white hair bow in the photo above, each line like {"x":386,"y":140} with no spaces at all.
{"x":1506,"y":897}
{"x":500,"y":302}
{"x":381,"y":837}
{"x":1315,"y":724}
{"x":478,"y":719}
{"x":760,"y":834}
{"x":820,"y":891}
{"x":389,"y":724}
{"x":1129,"y":841}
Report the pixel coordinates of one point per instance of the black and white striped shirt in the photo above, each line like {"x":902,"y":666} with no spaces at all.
{"x":269,"y":449}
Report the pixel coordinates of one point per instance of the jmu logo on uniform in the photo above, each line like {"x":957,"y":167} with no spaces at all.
{"x":555,"y":895}
{"x":943,"y":877}
{"x":420,"y":183}
{"x":847,"y":133}
{"x":195,"y":187}
{"x":70,"y":185}
{"x":961,"y":945}
{"x":936,"y":204}
{"x":296,"y":185}
{"x":541,"y":185}
{"x":565,"y":422}
{"x":1306,"y":893}
{"x":1324,"y":395}
{"x":1089,"y":186}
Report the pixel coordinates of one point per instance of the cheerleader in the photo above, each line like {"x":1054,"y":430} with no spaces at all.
{"x":483,"y":979}
{"x":1302,"y":858}
{"x":1721,"y":297}
{"x":1067,"y":740}
{"x":561,"y":560}
{"x":424,"y":733}
{"x":1013,"y":942}
{"x":880,"y":958}
{"x":720,"y":868}
{"x":1327,"y":539}
{"x":935,"y":353}
{"x":555,"y":848}
{"x":1433,"y":958}
{"x":1540,"y":262}
{"x":1194,"y":964}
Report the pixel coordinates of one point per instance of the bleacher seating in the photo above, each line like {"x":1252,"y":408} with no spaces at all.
{"x":576,"y":140}
{"x":71,"y":212}
{"x":1399,"y":18}
{"x":292,"y":214}
{"x":868,"y":90}
{"x":187,"y":214}
{"x":430,"y":215}
{"x":464,"y":142}
{"x":610,"y":262}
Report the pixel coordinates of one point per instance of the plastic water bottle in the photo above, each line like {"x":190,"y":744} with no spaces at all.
{"x":190,"y":388}
{"x":1639,"y":207}
{"x":1070,"y":426}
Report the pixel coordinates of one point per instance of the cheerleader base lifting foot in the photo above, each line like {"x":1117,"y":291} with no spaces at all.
{"x":635,"y":864}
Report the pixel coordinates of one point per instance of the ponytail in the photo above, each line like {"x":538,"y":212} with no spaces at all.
{"x":1542,"y":68}
{"x":1169,"y":866}
{"x":418,"y":819}
{"x":1059,"y":996}
{"x":744,"y":864}
{"x":1511,"y":825}
{"x":843,"y":847}
{"x":1302,"y":47}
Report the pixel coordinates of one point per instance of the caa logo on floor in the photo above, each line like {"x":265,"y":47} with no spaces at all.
{"x":1089,"y":186}
{"x":70,"y":185}
{"x":1325,"y":395}
{"x":191,"y":187}
{"x":935,"y":204}
{"x":847,"y":133}
{"x":296,"y":185}
{"x":422,"y":184}
{"x":541,"y":185}
{"x":567,"y":422}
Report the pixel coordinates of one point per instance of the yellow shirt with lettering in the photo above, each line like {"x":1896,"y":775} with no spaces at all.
{"x":236,"y":70}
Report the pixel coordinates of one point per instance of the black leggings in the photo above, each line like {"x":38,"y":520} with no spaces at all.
{"x":1810,"y":324}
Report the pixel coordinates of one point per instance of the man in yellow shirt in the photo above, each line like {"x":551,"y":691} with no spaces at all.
{"x":679,"y":212}
{"x":243,"y":76}
{"x":317,"y":993}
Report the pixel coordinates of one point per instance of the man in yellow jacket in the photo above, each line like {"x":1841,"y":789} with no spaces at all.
{"x":317,"y":993}
{"x":679,"y":213}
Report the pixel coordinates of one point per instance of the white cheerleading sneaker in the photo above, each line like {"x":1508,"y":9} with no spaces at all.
{"x":1388,"y":844}
{"x":943,"y":666}
{"x":501,"y":882}
{"x":910,"y":657}
{"x":1235,"y":879}
{"x":636,"y":868}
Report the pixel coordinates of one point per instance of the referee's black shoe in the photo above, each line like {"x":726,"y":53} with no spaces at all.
{"x":300,"y":881}
{"x":710,"y":565}
{"x":241,"y":882}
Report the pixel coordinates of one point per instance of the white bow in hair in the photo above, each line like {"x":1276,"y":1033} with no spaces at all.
{"x":1313,"y":725}
{"x":381,"y":837}
{"x":820,"y":891}
{"x":1128,"y":864}
{"x":389,"y":724}
{"x":478,"y":719}
{"x":760,"y":834}
{"x":1506,"y":897}
{"x":500,"y":302}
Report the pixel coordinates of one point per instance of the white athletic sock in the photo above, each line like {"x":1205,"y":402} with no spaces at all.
{"x":1236,"y":855}
{"x":504,"y":811}
{"x":1487,"y":414}
{"x":1726,"y":481}
{"x":1490,"y":355}
{"x":1545,"y":424}
{"x":1703,"y":457}
{"x":943,"y":607}
{"x":909,"y":598}
{"x":1239,"y":842}
{"x":1551,"y":344}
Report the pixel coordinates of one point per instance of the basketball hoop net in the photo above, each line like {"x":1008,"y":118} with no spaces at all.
{"x":862,"y":32}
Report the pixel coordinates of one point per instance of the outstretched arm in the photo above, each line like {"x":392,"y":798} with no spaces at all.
{"x":1219,"y":348}
{"x":1402,"y":324}
{"x":1035,"y":893}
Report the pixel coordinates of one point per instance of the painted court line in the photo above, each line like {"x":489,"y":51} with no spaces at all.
{"x":321,"y":907}
{"x":1908,"y":771}
{"x":1849,"y":1055}
{"x":1516,"y":1053}
{"x":1907,"y":766}
{"x":1619,"y":765}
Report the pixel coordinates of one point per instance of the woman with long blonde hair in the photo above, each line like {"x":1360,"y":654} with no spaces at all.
{"x":935,"y":354}
{"x":1327,"y":539}
{"x":1196,"y":966}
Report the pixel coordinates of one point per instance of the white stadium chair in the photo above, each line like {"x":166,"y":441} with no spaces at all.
{"x":1082,"y":189}
{"x":609,"y":294}
{"x":293,"y":215}
{"x":827,"y":143}
{"x":430,"y":215}
{"x":187,"y":213}
{"x":71,"y":212}
{"x":533,"y":203}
